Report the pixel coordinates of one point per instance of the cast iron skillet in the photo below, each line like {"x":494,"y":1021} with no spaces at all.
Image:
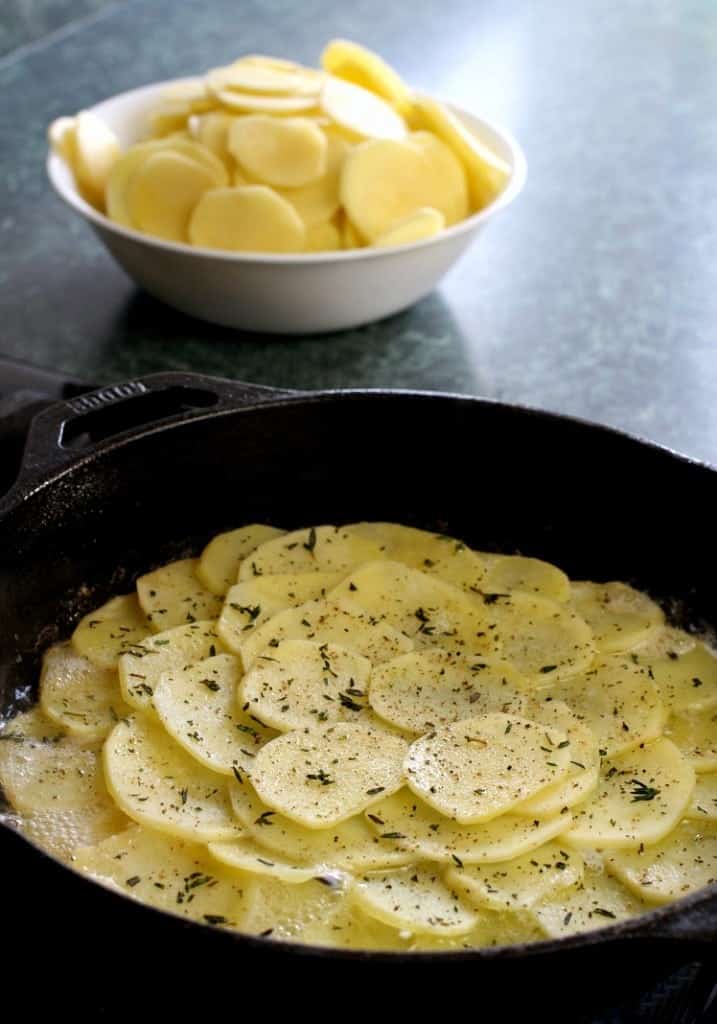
{"x":123,"y":479}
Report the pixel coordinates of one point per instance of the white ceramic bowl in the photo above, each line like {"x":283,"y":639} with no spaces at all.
{"x":287,"y":294}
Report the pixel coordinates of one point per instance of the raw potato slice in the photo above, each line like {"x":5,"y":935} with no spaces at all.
{"x":47,"y":775}
{"x":531,"y":575}
{"x":251,"y":603}
{"x":444,"y":167}
{"x":480,"y":767}
{"x":424,"y":223}
{"x":487,"y":173}
{"x":350,"y":928}
{"x":360,"y":113}
{"x":247,"y":855}
{"x":173,"y":874}
{"x":96,"y":150}
{"x":212,"y":130}
{"x":250,"y":218}
{"x":686,"y":682}
{"x":428,"y":689}
{"x":169,"y":117}
{"x":349,"y":846}
{"x":198,"y":707}
{"x":617,"y":701}
{"x":319,"y":777}
{"x":318,"y":202}
{"x":104,"y":634}
{"x":696,"y":736}
{"x":286,"y":152}
{"x":78,"y":695}
{"x":61,"y":137}
{"x":61,"y":832}
{"x":544,"y":640}
{"x":302,"y":682}
{"x":250,"y":77}
{"x":414,"y":898}
{"x":597,"y":902}
{"x":218,"y":565}
{"x":416,"y":827}
{"x":704,"y":799}
{"x":619,"y":616}
{"x":323,"y":238}
{"x":190,"y":90}
{"x":641,"y":797}
{"x":684,"y":861}
{"x":350,"y":238}
{"x":295,"y":913}
{"x":162,"y":193}
{"x":120,"y":176}
{"x":157,"y":784}
{"x":493,"y":929}
{"x":522,"y":882}
{"x":426,"y":609}
{"x":141,"y":670}
{"x":252,"y":103}
{"x":172,"y":596}
{"x":361,"y":66}
{"x":326,"y":623}
{"x":318,"y":549}
{"x":30,"y":725}
{"x":667,"y":642}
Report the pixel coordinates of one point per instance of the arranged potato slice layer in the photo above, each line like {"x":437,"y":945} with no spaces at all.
{"x":79,"y":696}
{"x":704,"y":799}
{"x":683,"y":861}
{"x":598,"y":901}
{"x":317,"y":549}
{"x":415,"y":898}
{"x":252,"y":218}
{"x":173,"y":595}
{"x":111,"y":630}
{"x":686,"y":681}
{"x":218,"y":566}
{"x":695,"y":734}
{"x":619,"y":616}
{"x":529,"y":575}
{"x":288,"y":152}
{"x":246,"y":854}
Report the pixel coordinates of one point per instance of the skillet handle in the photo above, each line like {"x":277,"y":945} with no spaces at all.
{"x":77,"y":426}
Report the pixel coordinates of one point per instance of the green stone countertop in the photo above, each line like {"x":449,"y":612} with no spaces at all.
{"x":594,"y":294}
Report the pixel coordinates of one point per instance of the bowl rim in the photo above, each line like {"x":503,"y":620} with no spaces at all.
{"x":71,"y":196}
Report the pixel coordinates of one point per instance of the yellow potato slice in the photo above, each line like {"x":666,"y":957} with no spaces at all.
{"x":520,"y":883}
{"x":198,"y":707}
{"x":424,"y":223}
{"x":357,"y":64}
{"x":218,"y":565}
{"x":348,"y":846}
{"x":350,"y":928}
{"x":619,"y":616}
{"x":318,"y":549}
{"x":445,"y":167}
{"x":641,"y":796}
{"x":682,"y":862}
{"x":406,"y":820}
{"x":163,"y":192}
{"x":173,"y":596}
{"x":170,"y":873}
{"x":481,"y":767}
{"x":111,"y":630}
{"x":295,"y":913}
{"x":303,"y":682}
{"x":62,"y":832}
{"x":414,"y":898}
{"x":253,"y":602}
{"x":695,"y":734}
{"x":542,"y":639}
{"x":78,"y":695}
{"x":531,"y":575}
{"x":323,"y":238}
{"x":170,"y":116}
{"x":254,"y":103}
{"x":190,"y":90}
{"x":286,"y":152}
{"x":249,"y":76}
{"x":317,"y":202}
{"x":321,"y":776}
{"x":667,"y":642}
{"x":486,"y":172}
{"x":618,"y":702}
{"x":430,"y":689}
{"x":430,"y":611}
{"x":212,"y":131}
{"x":61,"y":137}
{"x":350,"y":238}
{"x":686,"y":682}
{"x":157,"y":784}
{"x":120,"y":176}
{"x":95,"y":151}
{"x":359,"y":113}
{"x":30,"y":725}
{"x":247,"y":855}
{"x":386,"y":180}
{"x":141,"y":669}
{"x":597,"y":902}
{"x":250,"y":218}
{"x":493,"y":929}
{"x":703,"y":806}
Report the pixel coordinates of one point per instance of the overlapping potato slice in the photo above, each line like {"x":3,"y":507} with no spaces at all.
{"x":357,"y":64}
{"x":167,"y":872}
{"x":359,"y":113}
{"x":95,"y":150}
{"x":212,"y":130}
{"x":253,"y":602}
{"x":478,"y":768}
{"x":111,"y":630}
{"x":444,"y":166}
{"x":246,"y":854}
{"x":61,"y":137}
{"x":542,"y":639}
{"x":406,"y":820}
{"x":119,"y":178}
{"x":351,"y":928}
{"x":318,"y":201}
{"x":79,"y":696}
{"x":414,"y":898}
{"x":531,"y":575}
{"x":251,"y":218}
{"x":695,"y":734}
{"x":198,"y":707}
{"x":324,"y":237}
{"x":597,"y":902}
{"x":493,"y":929}
{"x":430,"y":611}
{"x":286,"y":152}
{"x":431,"y":688}
{"x":218,"y":566}
{"x":703,"y":806}
{"x":301,"y":683}
{"x":641,"y":796}
{"x":257,"y":103}
{"x":619,"y":616}
{"x":424,"y":223}
{"x":295,"y":913}
{"x":520,"y":883}
{"x":173,"y":595}
{"x":141,"y":669}
{"x":350,"y":845}
{"x":156,"y":783}
{"x":618,"y":702}
{"x":683,"y":861}
{"x":667,"y":642}
{"x":317,"y":549}
{"x":321,"y":776}
{"x":265,"y":76}
{"x":163,"y":192}
{"x":325,"y":622}
{"x":686,"y":682}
